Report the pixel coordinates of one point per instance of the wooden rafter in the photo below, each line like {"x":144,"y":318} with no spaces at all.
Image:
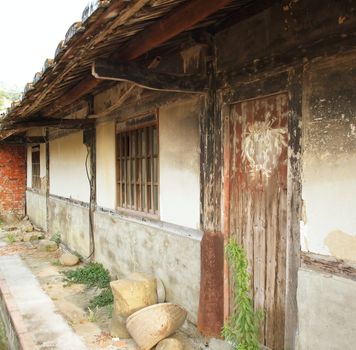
{"x":57,"y":123}
{"x":179,"y":20}
{"x":148,"y":79}
{"x":86,"y":85}
{"x":18,"y":139}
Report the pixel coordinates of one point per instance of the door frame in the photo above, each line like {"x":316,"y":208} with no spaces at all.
{"x":287,"y":81}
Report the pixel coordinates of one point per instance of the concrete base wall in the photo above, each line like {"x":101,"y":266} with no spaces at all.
{"x":36,"y":209}
{"x":71,"y":221}
{"x":125,"y":246}
{"x":327,"y":312}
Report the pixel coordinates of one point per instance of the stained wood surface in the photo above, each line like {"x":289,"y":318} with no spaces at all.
{"x":148,"y":79}
{"x":329,"y":264}
{"x":257,"y":191}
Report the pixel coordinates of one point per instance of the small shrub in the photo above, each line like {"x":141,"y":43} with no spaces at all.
{"x":92,"y":314}
{"x":110,"y":309}
{"x":93,"y":275}
{"x":56,"y":262}
{"x":10,"y":237}
{"x":103,"y":299}
{"x":242,"y":328}
{"x":56,"y":237}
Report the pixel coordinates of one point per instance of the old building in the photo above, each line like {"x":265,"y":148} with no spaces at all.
{"x":163,"y":127}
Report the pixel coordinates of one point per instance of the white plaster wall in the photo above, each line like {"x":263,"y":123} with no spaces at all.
{"x":326,"y":312}
{"x":329,"y":194}
{"x":67,"y":167}
{"x":328,"y":224}
{"x":106,"y":165}
{"x":179,"y":163}
{"x":36,"y":209}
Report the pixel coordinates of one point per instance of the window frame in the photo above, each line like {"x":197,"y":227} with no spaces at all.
{"x":36,"y":175}
{"x":151,"y":208}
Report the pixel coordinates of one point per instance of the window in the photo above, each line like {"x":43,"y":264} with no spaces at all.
{"x":36,"y":179}
{"x":137,"y":169}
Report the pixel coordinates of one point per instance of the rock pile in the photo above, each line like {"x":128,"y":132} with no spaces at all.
{"x":23,"y":231}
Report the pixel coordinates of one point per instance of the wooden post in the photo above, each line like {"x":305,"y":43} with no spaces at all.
{"x":211,"y":303}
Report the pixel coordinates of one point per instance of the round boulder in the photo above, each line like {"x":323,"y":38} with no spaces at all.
{"x":46,"y":245}
{"x":68,"y":259}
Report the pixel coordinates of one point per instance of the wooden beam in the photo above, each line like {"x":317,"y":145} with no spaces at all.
{"x":179,"y":20}
{"x":24,"y":140}
{"x":329,"y":264}
{"x":148,"y":79}
{"x":243,"y":13}
{"x":57,"y":123}
{"x":82,"y":88}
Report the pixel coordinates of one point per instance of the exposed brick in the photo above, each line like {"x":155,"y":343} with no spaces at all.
{"x":12,"y":180}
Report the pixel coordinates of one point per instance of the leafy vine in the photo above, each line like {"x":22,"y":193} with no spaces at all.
{"x":242,"y":328}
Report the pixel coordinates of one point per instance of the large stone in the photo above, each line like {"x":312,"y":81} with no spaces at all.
{"x":46,"y":245}
{"x":118,"y":325}
{"x":68,"y":259}
{"x":30,"y":236}
{"x":134,"y":293}
{"x":170,"y":344}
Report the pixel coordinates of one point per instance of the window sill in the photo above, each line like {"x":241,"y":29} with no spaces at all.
{"x":137,"y":214}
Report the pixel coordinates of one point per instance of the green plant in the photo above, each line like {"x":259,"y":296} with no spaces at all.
{"x":110,"y":309}
{"x":56,"y":237}
{"x":93,"y":314}
{"x":10,"y":237}
{"x":93,"y":275}
{"x":104,"y":298}
{"x":242,"y":327}
{"x":56,"y":262}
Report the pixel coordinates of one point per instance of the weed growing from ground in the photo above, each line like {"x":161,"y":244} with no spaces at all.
{"x":56,"y":262}
{"x":10,"y":237}
{"x":56,"y":237}
{"x":93,"y":275}
{"x":103,"y":299}
{"x":93,"y":314}
{"x":242,"y":328}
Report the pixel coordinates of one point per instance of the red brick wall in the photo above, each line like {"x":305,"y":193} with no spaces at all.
{"x":12,"y":180}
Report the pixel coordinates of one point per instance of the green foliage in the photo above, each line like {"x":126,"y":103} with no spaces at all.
{"x":103,"y":299}
{"x":242,"y":328}
{"x":56,"y":237}
{"x":56,"y":262}
{"x":93,"y":314}
{"x":10,"y":237}
{"x":7,"y":96}
{"x":110,"y":309}
{"x":93,"y":275}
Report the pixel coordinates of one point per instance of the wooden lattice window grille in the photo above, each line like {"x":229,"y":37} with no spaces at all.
{"x":137,"y":170}
{"x":36,"y":178}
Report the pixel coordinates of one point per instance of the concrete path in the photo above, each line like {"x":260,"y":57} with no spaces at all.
{"x":48,"y":329}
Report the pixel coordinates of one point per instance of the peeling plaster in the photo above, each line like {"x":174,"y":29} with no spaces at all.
{"x":191,"y":58}
{"x":341,"y":245}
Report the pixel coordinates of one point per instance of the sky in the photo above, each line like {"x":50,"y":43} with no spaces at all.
{"x":30,"y":31}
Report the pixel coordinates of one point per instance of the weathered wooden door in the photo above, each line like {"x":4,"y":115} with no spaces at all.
{"x":256,"y":201}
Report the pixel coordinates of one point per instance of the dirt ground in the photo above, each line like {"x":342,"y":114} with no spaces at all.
{"x":72,"y":300}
